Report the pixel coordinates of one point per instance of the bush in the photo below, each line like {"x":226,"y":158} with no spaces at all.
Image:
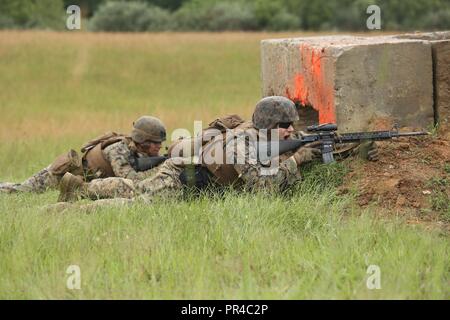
{"x":216,"y":17}
{"x":158,"y":19}
{"x":129,"y":16}
{"x":6,"y":22}
{"x":43,"y":14}
{"x":438,"y":20}
{"x":265,"y":11}
{"x":231,"y":16}
{"x":190,"y":18}
{"x":284,"y":20}
{"x":352,"y":18}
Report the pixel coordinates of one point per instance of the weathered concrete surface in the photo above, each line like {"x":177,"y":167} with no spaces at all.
{"x":353,"y":81}
{"x":440,"y":44}
{"x":441,"y":59}
{"x":430,"y":36}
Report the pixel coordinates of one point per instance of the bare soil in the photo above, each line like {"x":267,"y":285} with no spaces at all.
{"x":411,"y":177}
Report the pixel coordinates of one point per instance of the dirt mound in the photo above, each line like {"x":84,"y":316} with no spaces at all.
{"x":412,"y":177}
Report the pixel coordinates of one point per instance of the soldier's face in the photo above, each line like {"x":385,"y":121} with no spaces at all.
{"x":285,"y":133}
{"x":151,"y":148}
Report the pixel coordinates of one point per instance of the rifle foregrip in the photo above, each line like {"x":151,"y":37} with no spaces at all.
{"x":147,"y":163}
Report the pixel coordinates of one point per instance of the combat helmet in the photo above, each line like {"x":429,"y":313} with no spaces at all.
{"x":148,"y":128}
{"x":272,"y":110}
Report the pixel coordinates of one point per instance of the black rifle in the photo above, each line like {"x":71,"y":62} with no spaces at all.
{"x":146,"y":163}
{"x":326,"y":136}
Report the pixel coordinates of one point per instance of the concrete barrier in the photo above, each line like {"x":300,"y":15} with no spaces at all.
{"x":360,"y":83}
{"x":440,"y":45}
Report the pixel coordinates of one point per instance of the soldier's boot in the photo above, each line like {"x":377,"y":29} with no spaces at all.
{"x":9,"y":187}
{"x":108,"y":188}
{"x":71,"y":188}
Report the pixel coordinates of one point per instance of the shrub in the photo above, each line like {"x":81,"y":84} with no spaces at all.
{"x":284,"y":20}
{"x":129,"y":16}
{"x":265,"y":11}
{"x":158,"y":19}
{"x":6,"y":22}
{"x":352,"y":18}
{"x":437,"y":20}
{"x":44,"y":14}
{"x":190,"y":18}
{"x":216,"y":17}
{"x":231,"y":16}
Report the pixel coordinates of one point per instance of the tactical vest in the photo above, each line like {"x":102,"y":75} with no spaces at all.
{"x":224,"y":173}
{"x":193,"y":144}
{"x":93,"y":155}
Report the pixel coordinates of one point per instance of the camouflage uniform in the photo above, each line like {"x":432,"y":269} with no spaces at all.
{"x":251,"y":173}
{"x":243,"y":170}
{"x":108,"y":155}
{"x":117,"y":154}
{"x":38,"y":182}
{"x":166,"y":182}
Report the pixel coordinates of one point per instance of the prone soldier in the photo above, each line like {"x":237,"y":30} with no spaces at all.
{"x":273,"y":118}
{"x":109,"y":155}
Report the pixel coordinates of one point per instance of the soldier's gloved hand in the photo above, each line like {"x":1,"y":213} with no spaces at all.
{"x":372,"y":153}
{"x":337,"y":136}
{"x":306,"y":154}
{"x":370,"y":150}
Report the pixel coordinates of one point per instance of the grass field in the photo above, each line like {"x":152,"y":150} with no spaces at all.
{"x":57,"y":90}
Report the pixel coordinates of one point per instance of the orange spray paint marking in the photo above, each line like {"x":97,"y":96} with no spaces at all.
{"x":310,"y":87}
{"x":300,"y":91}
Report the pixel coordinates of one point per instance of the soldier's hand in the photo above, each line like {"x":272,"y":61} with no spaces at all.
{"x":372,"y":152}
{"x":306,"y":154}
{"x":369,"y":150}
{"x":338,"y":137}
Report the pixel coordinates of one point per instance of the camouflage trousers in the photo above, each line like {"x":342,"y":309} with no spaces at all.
{"x":38,"y":182}
{"x":165,"y":182}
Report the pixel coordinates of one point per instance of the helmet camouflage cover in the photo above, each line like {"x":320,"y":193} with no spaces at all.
{"x":147,"y":128}
{"x":270,"y":111}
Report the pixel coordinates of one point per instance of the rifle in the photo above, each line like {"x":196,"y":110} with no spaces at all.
{"x":146,"y":163}
{"x":325,"y":134}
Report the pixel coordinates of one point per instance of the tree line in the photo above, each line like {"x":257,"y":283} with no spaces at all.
{"x":222,"y":15}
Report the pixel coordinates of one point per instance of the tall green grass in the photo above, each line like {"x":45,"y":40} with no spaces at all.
{"x":312,"y":245}
{"x":58,"y":90}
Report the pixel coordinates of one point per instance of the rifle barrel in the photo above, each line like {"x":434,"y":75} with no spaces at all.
{"x":273,"y":148}
{"x":408,"y":134}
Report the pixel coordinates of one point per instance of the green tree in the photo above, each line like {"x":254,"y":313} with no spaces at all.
{"x":34,"y":13}
{"x":167,"y":4}
{"x":129,"y":16}
{"x":88,"y":7}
